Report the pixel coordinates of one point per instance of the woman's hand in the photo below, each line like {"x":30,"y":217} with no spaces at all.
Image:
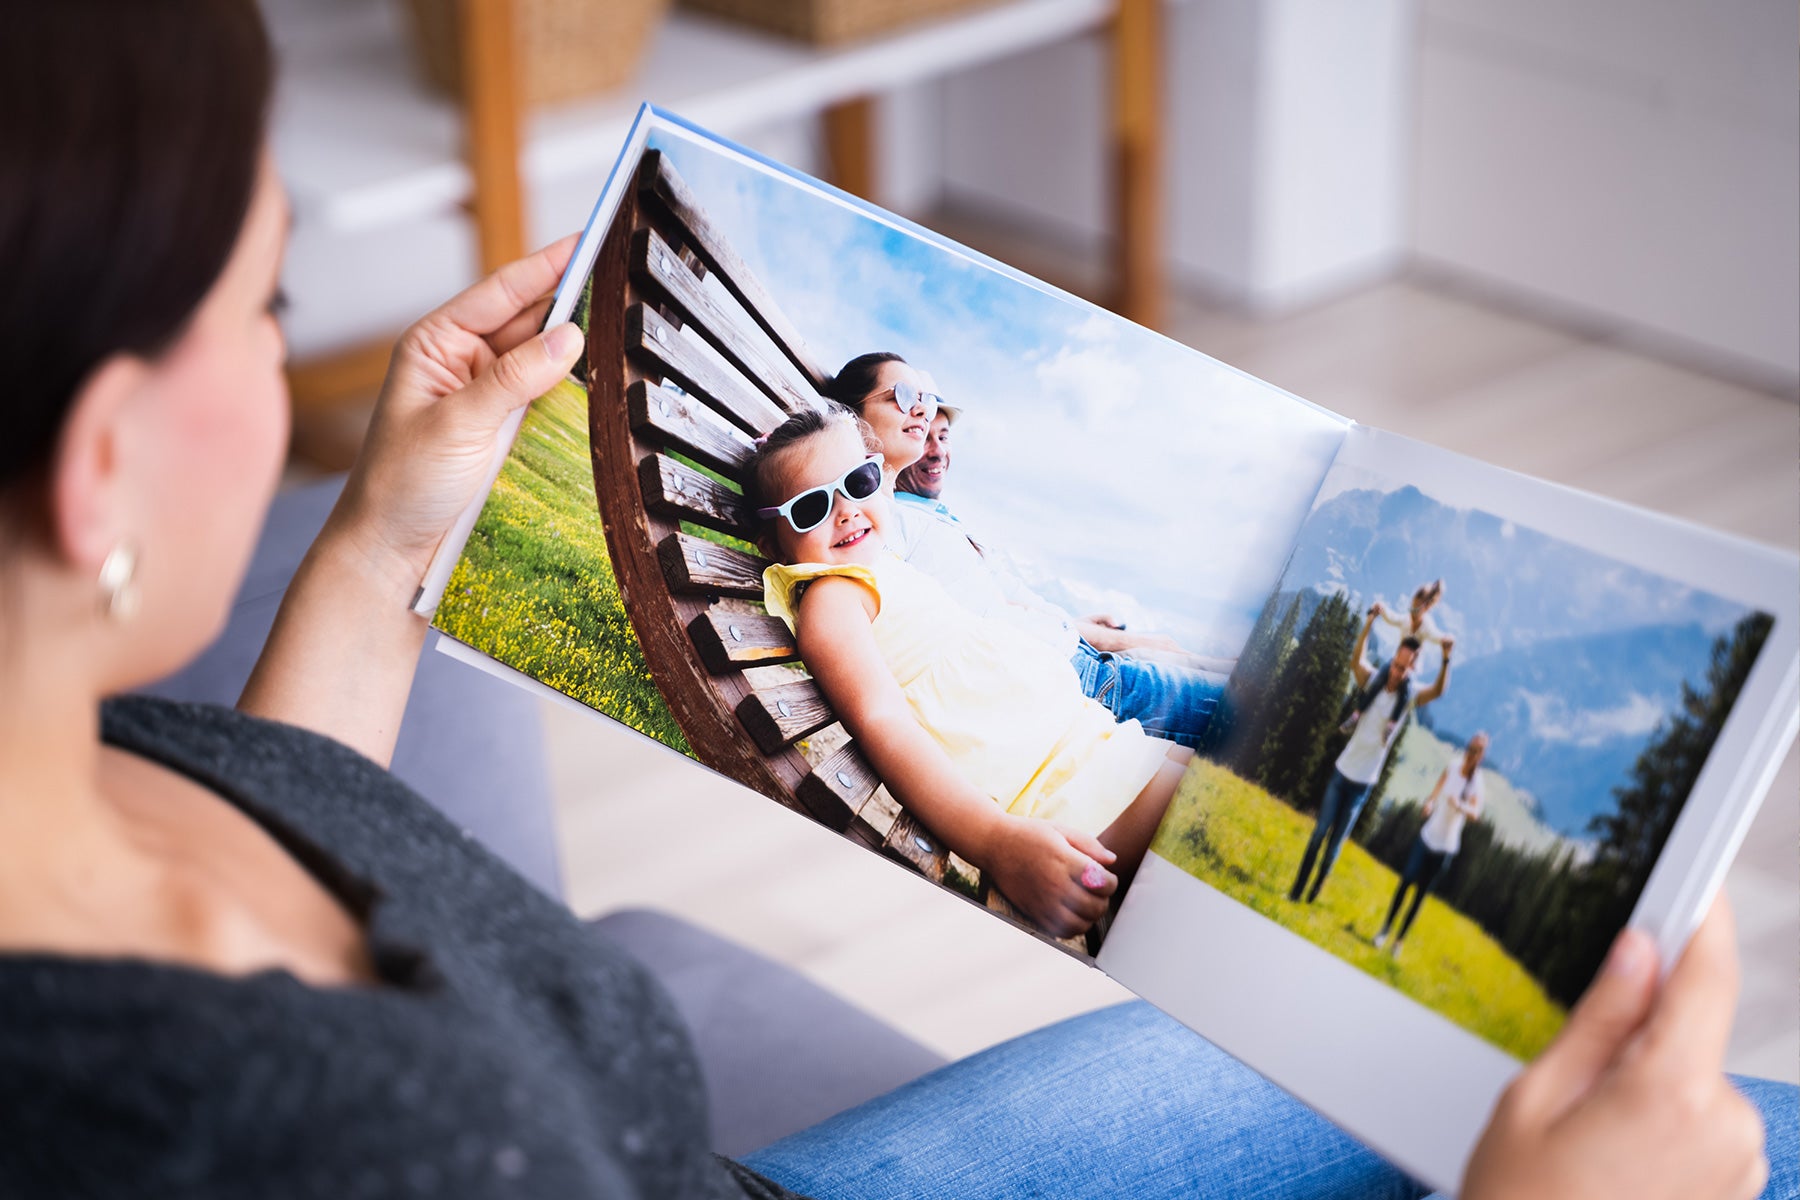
{"x":1630,"y":1101}
{"x":341,"y":657}
{"x":1055,"y":875}
{"x":456,"y":376}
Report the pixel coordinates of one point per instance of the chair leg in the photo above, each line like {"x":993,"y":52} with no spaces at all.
{"x":1137,"y":161}
{"x":850,"y":145}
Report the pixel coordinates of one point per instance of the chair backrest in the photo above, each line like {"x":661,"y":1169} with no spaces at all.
{"x":680,"y":383}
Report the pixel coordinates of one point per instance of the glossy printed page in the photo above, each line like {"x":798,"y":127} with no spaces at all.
{"x":1075,"y":521}
{"x":1482,"y":724}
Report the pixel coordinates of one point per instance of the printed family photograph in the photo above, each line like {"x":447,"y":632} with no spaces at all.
{"x":1453,"y":749}
{"x":948,"y":560}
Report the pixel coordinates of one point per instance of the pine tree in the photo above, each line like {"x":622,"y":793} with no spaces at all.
{"x":1247,"y":694}
{"x":1305,"y":703}
{"x":1634,"y":833}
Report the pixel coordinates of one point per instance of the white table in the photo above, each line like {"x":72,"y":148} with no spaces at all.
{"x":375,"y":166}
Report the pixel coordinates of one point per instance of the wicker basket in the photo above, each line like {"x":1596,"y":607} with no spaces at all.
{"x":566,"y":48}
{"x":828,"y":21}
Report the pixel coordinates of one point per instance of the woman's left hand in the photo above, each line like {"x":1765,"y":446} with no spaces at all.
{"x":456,"y":375}
{"x":341,"y":657}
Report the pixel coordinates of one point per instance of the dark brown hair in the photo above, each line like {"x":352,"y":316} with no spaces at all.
{"x":759,"y":478}
{"x":134,"y":134}
{"x":856,"y":379}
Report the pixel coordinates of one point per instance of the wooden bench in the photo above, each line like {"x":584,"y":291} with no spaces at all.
{"x":668,"y":421}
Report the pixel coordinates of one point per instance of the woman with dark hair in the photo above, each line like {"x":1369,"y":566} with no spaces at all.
{"x":895,"y":399}
{"x":239,"y":959}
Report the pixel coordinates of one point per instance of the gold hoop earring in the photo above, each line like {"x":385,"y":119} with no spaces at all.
{"x":118,"y":583}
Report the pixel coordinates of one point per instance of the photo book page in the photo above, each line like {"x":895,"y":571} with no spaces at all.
{"x":1075,"y":523}
{"x":1482,"y":723}
{"x":1349,"y":753}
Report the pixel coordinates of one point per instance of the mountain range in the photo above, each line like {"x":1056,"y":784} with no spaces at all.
{"x":1568,"y":659}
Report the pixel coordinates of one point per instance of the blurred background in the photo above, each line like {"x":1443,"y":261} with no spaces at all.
{"x":1559,"y":235}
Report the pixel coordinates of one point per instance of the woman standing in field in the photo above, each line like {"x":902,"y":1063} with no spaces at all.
{"x":1453,"y":803}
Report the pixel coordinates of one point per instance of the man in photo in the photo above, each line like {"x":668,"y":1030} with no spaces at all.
{"x":1379,"y":708}
{"x":1128,"y":672}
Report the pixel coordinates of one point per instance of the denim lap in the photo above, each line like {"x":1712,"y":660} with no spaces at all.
{"x":1120,"y":1102}
{"x":1123,"y":1102}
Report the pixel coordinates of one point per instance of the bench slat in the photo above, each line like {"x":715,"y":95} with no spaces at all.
{"x":660,"y":181}
{"x":879,"y":812}
{"x":912,"y":843}
{"x":675,"y":490}
{"x":655,"y":263}
{"x":695,"y":566}
{"x":677,"y":422}
{"x":731,"y":641}
{"x":776,"y":717}
{"x":837,"y":788}
{"x":648,"y":334}
{"x":997,"y":902}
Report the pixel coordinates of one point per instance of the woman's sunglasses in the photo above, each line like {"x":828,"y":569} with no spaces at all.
{"x":907,"y":397}
{"x":812,"y":508}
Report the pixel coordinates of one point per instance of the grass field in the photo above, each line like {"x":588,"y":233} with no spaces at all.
{"x":1239,"y":839}
{"x":535,"y":589}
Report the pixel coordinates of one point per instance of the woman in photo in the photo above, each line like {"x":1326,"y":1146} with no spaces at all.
{"x":978,"y":728}
{"x":894,"y":399}
{"x":238,"y":958}
{"x":1454,"y":802}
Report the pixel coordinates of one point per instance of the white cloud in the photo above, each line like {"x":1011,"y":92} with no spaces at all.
{"x":1101,"y":455}
{"x":1554,"y":721}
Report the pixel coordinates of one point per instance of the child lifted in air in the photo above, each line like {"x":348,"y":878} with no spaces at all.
{"x":980,"y":730}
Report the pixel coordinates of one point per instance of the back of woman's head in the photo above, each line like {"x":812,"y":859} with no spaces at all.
{"x":135,"y":129}
{"x":857,"y":379}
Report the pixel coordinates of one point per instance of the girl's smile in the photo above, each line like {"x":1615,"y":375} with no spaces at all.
{"x":855,"y":532}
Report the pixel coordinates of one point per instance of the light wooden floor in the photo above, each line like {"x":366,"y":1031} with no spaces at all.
{"x":641,"y":826}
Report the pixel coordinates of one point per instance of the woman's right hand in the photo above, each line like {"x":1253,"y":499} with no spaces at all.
{"x":1039,"y":866}
{"x":1630,"y":1099}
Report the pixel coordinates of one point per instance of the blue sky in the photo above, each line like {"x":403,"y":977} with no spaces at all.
{"x":1121,"y":471}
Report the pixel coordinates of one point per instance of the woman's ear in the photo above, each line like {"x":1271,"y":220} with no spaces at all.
{"x":89,"y":502}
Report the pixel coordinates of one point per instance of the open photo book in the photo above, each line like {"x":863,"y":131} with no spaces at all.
{"x":1350,"y":753}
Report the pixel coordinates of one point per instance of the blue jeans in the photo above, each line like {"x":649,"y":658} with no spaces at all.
{"x":1176,"y":703}
{"x":1120,"y":1102}
{"x":1423,"y":866}
{"x":1343,"y":803}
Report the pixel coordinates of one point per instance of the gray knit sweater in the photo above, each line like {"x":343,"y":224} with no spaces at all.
{"x":508,"y":1052}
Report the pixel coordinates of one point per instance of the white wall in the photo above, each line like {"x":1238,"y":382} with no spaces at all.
{"x":1633,"y":163}
{"x":1287,"y":128}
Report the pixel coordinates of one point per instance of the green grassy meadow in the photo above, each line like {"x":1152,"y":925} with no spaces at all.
{"x":535,"y":588}
{"x":1237,"y":838}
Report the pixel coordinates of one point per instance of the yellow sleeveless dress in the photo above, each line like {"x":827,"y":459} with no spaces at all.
{"x":1006,"y":708}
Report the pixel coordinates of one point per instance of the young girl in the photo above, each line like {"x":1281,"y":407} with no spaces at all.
{"x":1416,"y":620}
{"x":978,"y":728}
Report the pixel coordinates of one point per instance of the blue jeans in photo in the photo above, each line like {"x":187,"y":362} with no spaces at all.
{"x":1120,"y":1102}
{"x":1423,"y":867}
{"x":1174,"y":703}
{"x":1343,"y":803}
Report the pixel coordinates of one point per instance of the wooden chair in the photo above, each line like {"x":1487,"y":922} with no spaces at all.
{"x":667,"y":422}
